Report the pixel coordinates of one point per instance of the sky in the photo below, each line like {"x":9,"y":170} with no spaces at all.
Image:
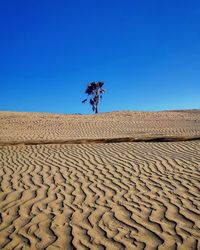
{"x":146,"y":52}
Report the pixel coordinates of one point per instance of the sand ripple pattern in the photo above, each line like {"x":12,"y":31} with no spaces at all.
{"x":40,"y":126}
{"x":102,"y":196}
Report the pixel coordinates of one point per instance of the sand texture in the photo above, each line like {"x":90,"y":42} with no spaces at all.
{"x":41,"y":127}
{"x":127,"y":195}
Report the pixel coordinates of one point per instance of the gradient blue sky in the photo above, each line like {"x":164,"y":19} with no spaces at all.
{"x":146,"y":52}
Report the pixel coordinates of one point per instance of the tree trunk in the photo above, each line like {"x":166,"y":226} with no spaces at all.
{"x":96,"y":101}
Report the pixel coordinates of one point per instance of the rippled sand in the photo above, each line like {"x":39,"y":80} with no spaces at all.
{"x":128,"y":195}
{"x":36,"y":127}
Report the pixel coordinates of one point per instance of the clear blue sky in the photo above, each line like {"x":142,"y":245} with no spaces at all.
{"x":146,"y":51}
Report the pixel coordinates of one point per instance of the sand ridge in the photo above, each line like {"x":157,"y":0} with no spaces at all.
{"x":128,"y":195}
{"x":24,"y":127}
{"x":154,"y":138}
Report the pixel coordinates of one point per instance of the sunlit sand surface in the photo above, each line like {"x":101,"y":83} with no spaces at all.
{"x":127,"y":195}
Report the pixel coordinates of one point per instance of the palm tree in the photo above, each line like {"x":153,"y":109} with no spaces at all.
{"x":96,"y":91}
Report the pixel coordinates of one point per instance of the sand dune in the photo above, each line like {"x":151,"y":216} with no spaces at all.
{"x":22,"y":127}
{"x":128,"y":195}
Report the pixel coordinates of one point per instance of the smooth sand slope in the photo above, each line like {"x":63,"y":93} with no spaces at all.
{"x":128,"y":195}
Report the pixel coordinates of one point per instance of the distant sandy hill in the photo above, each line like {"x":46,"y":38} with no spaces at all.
{"x":38,"y":127}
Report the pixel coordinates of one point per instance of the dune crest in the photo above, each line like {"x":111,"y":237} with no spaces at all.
{"x":50,"y":127}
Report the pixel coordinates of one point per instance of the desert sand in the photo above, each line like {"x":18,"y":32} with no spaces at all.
{"x":119,"y":180}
